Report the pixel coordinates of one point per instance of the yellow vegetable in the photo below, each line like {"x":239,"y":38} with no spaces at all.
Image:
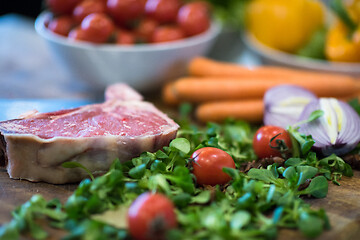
{"x":354,"y":9}
{"x":284,"y":24}
{"x":340,"y":46}
{"x":343,"y":38}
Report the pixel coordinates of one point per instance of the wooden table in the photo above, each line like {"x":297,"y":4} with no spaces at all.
{"x":342,"y":204}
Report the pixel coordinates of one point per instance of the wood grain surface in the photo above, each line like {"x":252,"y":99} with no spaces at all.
{"x":342,"y":204}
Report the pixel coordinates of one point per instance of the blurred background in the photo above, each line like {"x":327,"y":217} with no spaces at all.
{"x":275,"y":32}
{"x":27,"y":68}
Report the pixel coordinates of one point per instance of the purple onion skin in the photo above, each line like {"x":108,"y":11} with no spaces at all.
{"x":280,"y":93}
{"x":347,"y":139}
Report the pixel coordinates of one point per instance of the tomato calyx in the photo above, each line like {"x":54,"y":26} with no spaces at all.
{"x":191,"y":161}
{"x":158,"y":227}
{"x":279,"y":145}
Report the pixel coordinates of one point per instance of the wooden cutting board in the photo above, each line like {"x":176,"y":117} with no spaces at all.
{"x":342,"y":204}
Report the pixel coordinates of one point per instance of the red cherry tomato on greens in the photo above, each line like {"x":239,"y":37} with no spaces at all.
{"x":194,"y":18}
{"x":208,"y":164}
{"x":124,"y":11}
{"x":150,"y":216}
{"x":62,"y":6}
{"x":61,"y":25}
{"x":167,"y":34}
{"x":86,"y":8}
{"x":98,"y":26}
{"x":262,"y":138}
{"x":164,"y":11}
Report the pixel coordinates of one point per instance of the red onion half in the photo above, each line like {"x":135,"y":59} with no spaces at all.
{"x":284,"y":104}
{"x":337,"y":131}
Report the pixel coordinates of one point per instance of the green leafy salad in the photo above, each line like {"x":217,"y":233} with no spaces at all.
{"x":254,"y":200}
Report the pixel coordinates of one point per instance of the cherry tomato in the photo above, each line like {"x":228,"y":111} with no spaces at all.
{"x":62,"y":6}
{"x":61,"y":25}
{"x":98,"y":26}
{"x":146,"y":29}
{"x":150,"y":216}
{"x":86,"y":8}
{"x":208,"y":164}
{"x":164,"y":11}
{"x":124,"y":11}
{"x":79,"y":34}
{"x":167,"y":34}
{"x":124,"y":37}
{"x":262,"y":138}
{"x":194,"y":18}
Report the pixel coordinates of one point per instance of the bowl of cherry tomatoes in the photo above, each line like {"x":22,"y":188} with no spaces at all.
{"x":142,"y":43}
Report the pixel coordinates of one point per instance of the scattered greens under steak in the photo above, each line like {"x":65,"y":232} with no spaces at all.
{"x":256,"y":204}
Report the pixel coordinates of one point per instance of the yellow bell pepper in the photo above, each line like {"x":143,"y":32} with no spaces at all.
{"x":354,"y":9}
{"x":284,"y":24}
{"x":343,"y":38}
{"x":340,"y":47}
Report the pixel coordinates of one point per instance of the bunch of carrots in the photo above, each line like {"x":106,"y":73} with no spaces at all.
{"x":221,"y":90}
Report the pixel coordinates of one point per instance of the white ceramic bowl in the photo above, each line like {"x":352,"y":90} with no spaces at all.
{"x":144,"y":67}
{"x":276,"y":57}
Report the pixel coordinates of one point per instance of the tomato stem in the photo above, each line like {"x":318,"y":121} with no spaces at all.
{"x":280,"y":144}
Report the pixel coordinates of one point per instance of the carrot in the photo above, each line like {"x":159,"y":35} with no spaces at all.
{"x":168,"y":95}
{"x":203,"y":67}
{"x":248,"y":110}
{"x":212,"y":89}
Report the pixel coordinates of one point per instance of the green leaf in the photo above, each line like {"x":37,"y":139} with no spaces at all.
{"x":273,"y":169}
{"x":240,"y":219}
{"x":182,"y":179}
{"x":290,"y":173}
{"x":161,"y":155}
{"x":278,"y":212}
{"x":158,"y":182}
{"x":311,"y":226}
{"x":181,"y":200}
{"x":202,"y":198}
{"x":182,"y":144}
{"x":9,"y":231}
{"x":116,"y":165}
{"x":233,"y":173}
{"x":270,"y":193}
{"x":293,"y":162}
{"x":262,"y":175}
{"x":315,"y":115}
{"x":78,"y":165}
{"x":318,"y":187}
{"x":158,"y":166}
{"x":36,"y":231}
{"x":138,"y":171}
{"x":133,"y":187}
{"x":305,"y":172}
{"x":246,"y":201}
{"x":348,"y":172}
{"x":306,"y":146}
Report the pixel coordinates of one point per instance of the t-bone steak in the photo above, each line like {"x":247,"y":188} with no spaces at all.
{"x":35,"y":146}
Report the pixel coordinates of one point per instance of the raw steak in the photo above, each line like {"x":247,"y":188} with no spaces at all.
{"x":121,"y":91}
{"x":34,"y":147}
